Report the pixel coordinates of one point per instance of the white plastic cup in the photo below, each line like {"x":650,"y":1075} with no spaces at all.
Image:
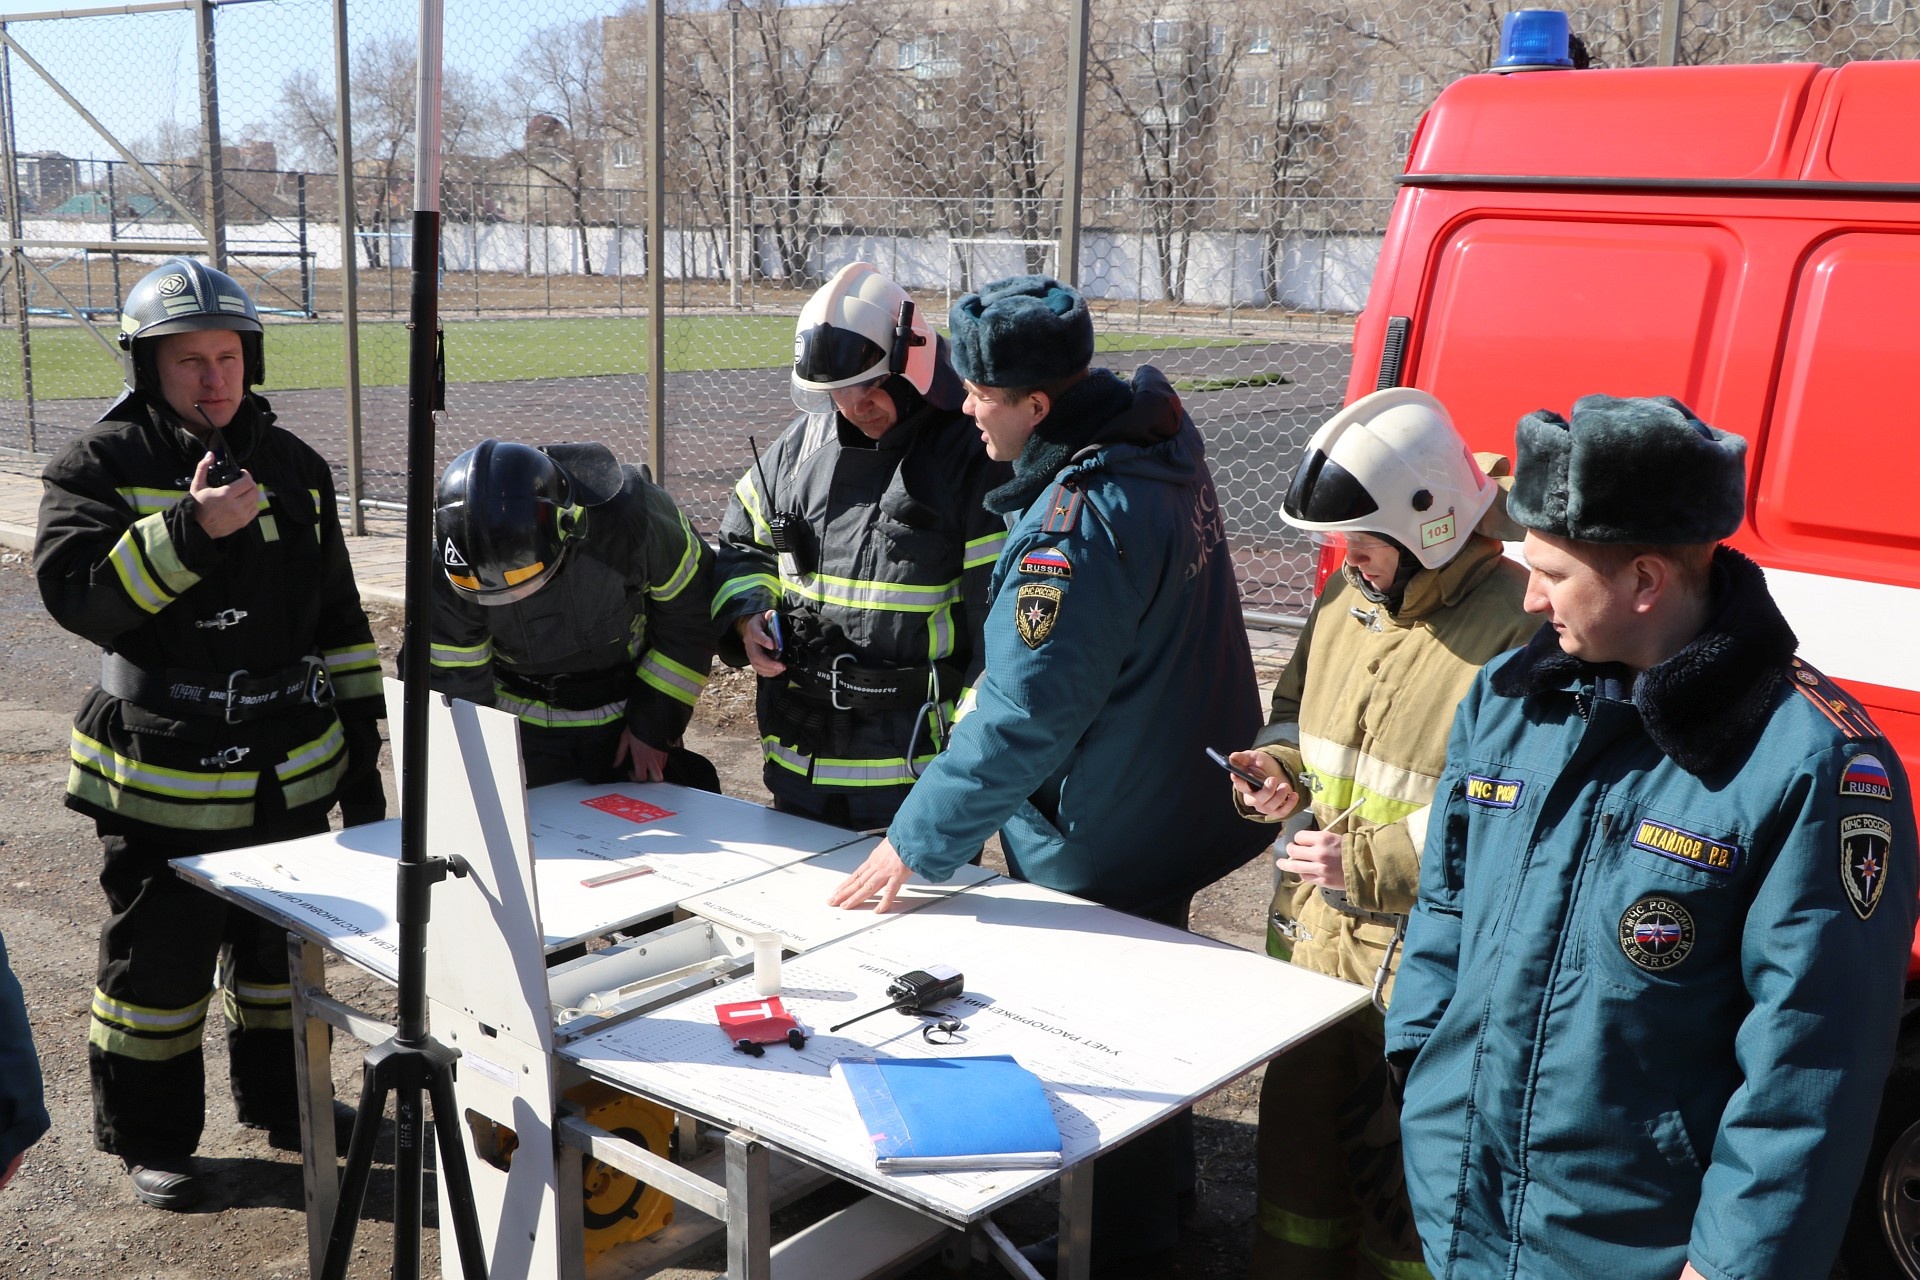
{"x":766,"y":964}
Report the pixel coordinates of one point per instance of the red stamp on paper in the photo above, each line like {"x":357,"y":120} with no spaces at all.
{"x":627,"y":807}
{"x":762,"y":1021}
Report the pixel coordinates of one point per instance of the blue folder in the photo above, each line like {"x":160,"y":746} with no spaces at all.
{"x":952,"y":1113}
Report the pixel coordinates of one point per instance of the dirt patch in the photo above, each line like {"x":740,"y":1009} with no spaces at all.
{"x":69,"y":1214}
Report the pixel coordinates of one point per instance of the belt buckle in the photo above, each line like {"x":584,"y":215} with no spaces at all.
{"x":319,"y":686}
{"x":233,"y":695}
{"x":833,"y":682}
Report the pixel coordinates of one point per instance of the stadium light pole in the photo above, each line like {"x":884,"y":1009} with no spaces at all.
{"x":412,"y":1063}
{"x":733,"y":153}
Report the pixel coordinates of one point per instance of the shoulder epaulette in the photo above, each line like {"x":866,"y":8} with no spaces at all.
{"x":1833,"y":702}
{"x":1063,"y":510}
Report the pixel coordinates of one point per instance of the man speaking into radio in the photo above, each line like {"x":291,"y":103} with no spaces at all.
{"x":1653,"y":975}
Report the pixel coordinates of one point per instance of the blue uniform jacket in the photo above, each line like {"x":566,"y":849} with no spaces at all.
{"x":1116,"y":653}
{"x":1653,"y":979}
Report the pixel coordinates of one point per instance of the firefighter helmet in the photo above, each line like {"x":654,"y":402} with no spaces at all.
{"x":1392,"y":464}
{"x":857,"y":328}
{"x":502,"y":518}
{"x":182,"y":296}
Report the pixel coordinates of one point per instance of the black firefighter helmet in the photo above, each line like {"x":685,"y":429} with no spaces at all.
{"x":183,"y":296}
{"x":502,"y":518}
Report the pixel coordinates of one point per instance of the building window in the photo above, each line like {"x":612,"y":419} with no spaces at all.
{"x":1257,"y":91}
{"x":623,"y":154}
{"x":1412,"y":87}
{"x":1217,"y":41}
{"x":1402,"y":143}
{"x":1028,"y":45}
{"x":1165,"y":33}
{"x":1260,"y":38}
{"x":1363,"y":90}
{"x":1255,"y":147}
{"x":1313,"y":90}
{"x":1880,"y":11}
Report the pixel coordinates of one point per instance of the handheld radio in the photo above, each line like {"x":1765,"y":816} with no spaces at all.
{"x":785,"y":530}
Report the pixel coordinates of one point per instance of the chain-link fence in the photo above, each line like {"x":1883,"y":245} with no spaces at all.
{"x":1220,"y":172}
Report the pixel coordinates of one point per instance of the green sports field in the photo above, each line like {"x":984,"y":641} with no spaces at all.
{"x":68,"y":364}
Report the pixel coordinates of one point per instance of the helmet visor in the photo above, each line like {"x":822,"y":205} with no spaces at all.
{"x":827,"y":356}
{"x":1324,"y":492}
{"x":810,"y":399}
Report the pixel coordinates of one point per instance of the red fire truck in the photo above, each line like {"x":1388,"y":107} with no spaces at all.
{"x":1746,"y":238}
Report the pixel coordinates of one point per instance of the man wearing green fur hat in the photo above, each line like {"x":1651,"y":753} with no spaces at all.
{"x":1654,"y":973}
{"x":1115,"y":621}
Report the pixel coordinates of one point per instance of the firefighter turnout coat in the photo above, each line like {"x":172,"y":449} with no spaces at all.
{"x":896,"y":558}
{"x":121,"y":561}
{"x":1654,"y":975}
{"x":620,"y":634}
{"x":1359,"y":723}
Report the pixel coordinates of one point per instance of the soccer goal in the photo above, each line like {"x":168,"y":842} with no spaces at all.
{"x":974,"y":260}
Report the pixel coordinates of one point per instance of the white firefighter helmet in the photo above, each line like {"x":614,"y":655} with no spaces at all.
{"x":857,"y":328}
{"x":1391,"y":464}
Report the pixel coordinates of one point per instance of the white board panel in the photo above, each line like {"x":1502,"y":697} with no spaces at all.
{"x":1125,"y":1021}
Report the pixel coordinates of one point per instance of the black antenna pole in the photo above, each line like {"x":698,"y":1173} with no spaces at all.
{"x":413,"y":1063}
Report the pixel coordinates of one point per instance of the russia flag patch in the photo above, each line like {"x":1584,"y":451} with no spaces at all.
{"x":1866,"y":776}
{"x":1047,"y":562}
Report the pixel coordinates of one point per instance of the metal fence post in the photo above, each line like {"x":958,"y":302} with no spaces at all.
{"x":1068,"y":259}
{"x":216,"y":202}
{"x":1669,"y":32}
{"x":656,"y":240}
{"x":349,"y":272}
{"x":16,"y":255}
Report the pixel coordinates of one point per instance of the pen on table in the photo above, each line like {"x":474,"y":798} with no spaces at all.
{"x":281,"y":868}
{"x":624,"y":873}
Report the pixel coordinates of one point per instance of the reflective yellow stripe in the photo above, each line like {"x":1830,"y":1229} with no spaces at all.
{"x":177,"y":815}
{"x":679,"y":682}
{"x":157,"y":545}
{"x":984,"y":550}
{"x":140,"y":1017}
{"x":350,"y":658}
{"x":1393,"y":1268}
{"x":231,"y":784}
{"x":131,"y":568}
{"x":743,"y":584}
{"x":1308,"y":1233}
{"x":148,"y":502}
{"x":969,"y":696}
{"x":144,"y":1048}
{"x":940,"y":632}
{"x":252,"y":1015}
{"x":311,"y":755}
{"x":547,"y":716}
{"x":827,"y":771}
{"x":461,"y":655}
{"x":750,"y":500}
{"x":860,"y":593}
{"x":1388,"y":792}
{"x":683,"y":572}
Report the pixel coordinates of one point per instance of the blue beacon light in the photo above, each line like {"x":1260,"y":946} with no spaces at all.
{"x":1534,"y":40}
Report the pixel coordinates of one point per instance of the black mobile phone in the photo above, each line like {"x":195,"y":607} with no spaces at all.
{"x":1247,"y":776}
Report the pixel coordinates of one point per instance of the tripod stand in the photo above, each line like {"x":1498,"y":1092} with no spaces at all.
{"x":412,"y":1063}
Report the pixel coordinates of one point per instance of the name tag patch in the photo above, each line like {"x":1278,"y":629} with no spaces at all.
{"x":1687,"y":846}
{"x":1866,"y":776}
{"x":1656,"y":933}
{"x":1048,"y":562}
{"x":1494,"y":793}
{"x":1865,"y":839}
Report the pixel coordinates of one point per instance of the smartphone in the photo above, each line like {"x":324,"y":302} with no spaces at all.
{"x":773,"y":634}
{"x":1247,"y":776}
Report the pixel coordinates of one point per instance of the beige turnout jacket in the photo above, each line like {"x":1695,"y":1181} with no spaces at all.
{"x":1359,"y":722}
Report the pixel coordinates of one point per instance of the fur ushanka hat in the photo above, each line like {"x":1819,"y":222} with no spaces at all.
{"x":1024,"y":332}
{"x":1640,"y":469}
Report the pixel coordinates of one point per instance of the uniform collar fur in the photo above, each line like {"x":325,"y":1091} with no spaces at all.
{"x":1703,"y":705}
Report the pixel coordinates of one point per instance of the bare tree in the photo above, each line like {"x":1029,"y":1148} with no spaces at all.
{"x":382,"y":85}
{"x":805,"y":84}
{"x":1166,"y":69}
{"x":561,"y":80}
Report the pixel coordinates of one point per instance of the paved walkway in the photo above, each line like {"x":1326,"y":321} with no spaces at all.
{"x":378,"y":562}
